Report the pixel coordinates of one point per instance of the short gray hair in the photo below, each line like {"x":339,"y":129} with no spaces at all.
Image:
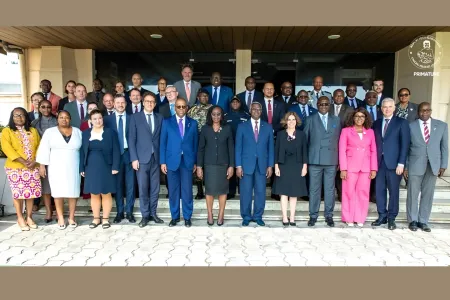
{"x":387,"y":99}
{"x":256,"y":102}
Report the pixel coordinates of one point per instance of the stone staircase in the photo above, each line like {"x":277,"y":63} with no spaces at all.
{"x":440,"y":212}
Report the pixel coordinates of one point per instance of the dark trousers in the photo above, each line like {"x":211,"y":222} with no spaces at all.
{"x":148,"y":180}
{"x":248,"y":183}
{"x":387,"y":180}
{"x":125,"y":186}
{"x":180,"y":186}
{"x":233,"y":184}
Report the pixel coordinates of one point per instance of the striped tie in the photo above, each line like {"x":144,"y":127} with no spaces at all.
{"x":426,"y":132}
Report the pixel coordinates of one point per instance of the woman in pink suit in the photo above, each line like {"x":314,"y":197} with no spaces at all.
{"x":358,"y":165}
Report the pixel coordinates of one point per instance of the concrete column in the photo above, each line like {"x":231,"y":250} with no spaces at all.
{"x":243,"y":68}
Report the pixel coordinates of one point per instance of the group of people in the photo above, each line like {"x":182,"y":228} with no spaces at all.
{"x":100,"y":144}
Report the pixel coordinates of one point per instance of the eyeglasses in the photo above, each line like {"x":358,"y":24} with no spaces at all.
{"x":46,"y":107}
{"x":403,"y":95}
{"x":216,"y":114}
{"x":324,"y":104}
{"x":425,"y":110}
{"x":19,"y":116}
{"x":303,"y":96}
{"x":181,"y":106}
{"x":148,"y":101}
{"x":359,"y":117}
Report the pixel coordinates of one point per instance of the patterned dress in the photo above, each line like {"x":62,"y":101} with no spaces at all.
{"x":25,"y":183}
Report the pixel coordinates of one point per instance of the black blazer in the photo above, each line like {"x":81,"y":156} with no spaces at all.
{"x":31,"y":116}
{"x":215,"y":148}
{"x":300,"y":145}
{"x":291,"y":99}
{"x":278,"y":112}
{"x":258,"y":96}
{"x":110,"y":144}
{"x":164,"y":110}
{"x":343,"y":113}
{"x":62,"y":102}
{"x":359,"y":102}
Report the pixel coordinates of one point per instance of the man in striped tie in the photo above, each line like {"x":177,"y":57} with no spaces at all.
{"x":427,"y":160}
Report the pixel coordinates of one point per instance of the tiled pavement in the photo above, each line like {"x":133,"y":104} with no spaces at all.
{"x":229,"y":245}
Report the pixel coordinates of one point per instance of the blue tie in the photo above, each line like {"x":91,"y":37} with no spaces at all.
{"x":324,"y":121}
{"x":351,"y":102}
{"x":172,"y":109}
{"x":372,"y":114}
{"x":303,"y":112}
{"x":121,"y":143}
{"x":215,"y":96}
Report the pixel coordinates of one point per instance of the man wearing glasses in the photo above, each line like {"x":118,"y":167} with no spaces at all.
{"x":168,"y":109}
{"x":351,"y":99}
{"x":301,"y":107}
{"x":322,"y":132}
{"x":178,"y":158}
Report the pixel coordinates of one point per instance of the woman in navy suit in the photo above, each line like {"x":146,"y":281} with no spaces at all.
{"x":99,"y":162}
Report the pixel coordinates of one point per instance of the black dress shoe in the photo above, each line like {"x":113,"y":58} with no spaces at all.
{"x":285,"y":223}
{"x":391,"y":225}
{"x":245,"y":222}
{"x":200,"y":196}
{"x":187,"y":223}
{"x":143,"y":222}
{"x":312,"y":222}
{"x":131,"y":218}
{"x":173,"y":222}
{"x":413,"y":226}
{"x":219,"y":223}
{"x":118,"y":218}
{"x":379,"y":222}
{"x":230,"y":196}
{"x":260,"y":222}
{"x":156,"y":219}
{"x":275,"y":197}
{"x":330,"y":221}
{"x":48,"y":220}
{"x":424,"y":227}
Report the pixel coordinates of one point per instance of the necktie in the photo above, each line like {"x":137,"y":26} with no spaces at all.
{"x":338,"y":109}
{"x":97,"y":96}
{"x":317,"y":95}
{"x":269,"y":113}
{"x":385,"y":126}
{"x":303,"y":112}
{"x":215,"y":96}
{"x":256,"y":131}
{"x":45,"y":95}
{"x":110,"y":112}
{"x":324,"y":121}
{"x":135,"y":109}
{"x":172,"y":109}
{"x":249,"y":100}
{"x":180,"y":127}
{"x":372,"y":114}
{"x":149,"y":121}
{"x":351,"y":102}
{"x":426,"y":132}
{"x":286,"y":99}
{"x":121,"y":142}
{"x":188,"y":91}
{"x":81,"y":112}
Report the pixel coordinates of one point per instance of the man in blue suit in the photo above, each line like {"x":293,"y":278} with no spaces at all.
{"x":254,"y":163}
{"x":119,"y":122}
{"x":178,"y":158}
{"x":392,"y":135}
{"x":145,"y":132}
{"x":351,"y":99}
{"x":301,"y":107}
{"x":219,"y":94}
{"x":250,"y":95}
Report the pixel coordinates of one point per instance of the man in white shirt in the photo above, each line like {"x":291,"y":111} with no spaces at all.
{"x":108,"y":103}
{"x":136,"y":103}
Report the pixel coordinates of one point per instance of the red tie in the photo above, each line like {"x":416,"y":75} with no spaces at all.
{"x":269,"y":113}
{"x":135,"y":109}
{"x":426,"y":132}
{"x":256,"y":131}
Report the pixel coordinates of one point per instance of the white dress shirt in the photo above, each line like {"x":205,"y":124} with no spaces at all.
{"x":337,"y":109}
{"x":133,"y":107}
{"x":85,"y":104}
{"x":124,"y":121}
{"x":306,"y":109}
{"x":253,"y":124}
{"x":266,"y":102}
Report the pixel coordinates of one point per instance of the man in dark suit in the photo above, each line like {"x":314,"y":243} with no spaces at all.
{"x":145,"y":131}
{"x":168,"y":109}
{"x":179,"y":135}
{"x":119,"y":122}
{"x":378,"y":87}
{"x":392,"y":135}
{"x":351,"y":99}
{"x":136,"y":101}
{"x":254,"y":163}
{"x":322,"y":131}
{"x":97,"y":94}
{"x":219,"y":94}
{"x":161,"y":96}
{"x":302,"y":108}
{"x":342,"y":111}
{"x":273,"y":110}
{"x":108,"y":104}
{"x":286,"y":94}
{"x":250,"y":94}
{"x":188,"y":88}
{"x":78,"y":108}
{"x":137,"y":81}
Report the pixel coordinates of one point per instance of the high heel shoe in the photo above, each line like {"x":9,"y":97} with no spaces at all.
{"x":94,"y":225}
{"x":212,"y":222}
{"x":32,"y":226}
{"x":24,"y":228}
{"x":285,"y":223}
{"x":219,"y":224}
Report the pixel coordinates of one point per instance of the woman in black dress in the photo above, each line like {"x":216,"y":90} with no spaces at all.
{"x":99,"y":162}
{"x":291,"y":156}
{"x":216,"y":156}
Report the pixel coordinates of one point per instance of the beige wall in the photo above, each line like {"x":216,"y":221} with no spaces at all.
{"x":243,"y":68}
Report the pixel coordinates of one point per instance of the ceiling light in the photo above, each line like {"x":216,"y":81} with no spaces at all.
{"x":156,"y":36}
{"x":334,"y":36}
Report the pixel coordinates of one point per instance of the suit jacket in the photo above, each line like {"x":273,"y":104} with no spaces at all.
{"x":378,"y":110}
{"x":413,"y":110}
{"x":322,"y":144}
{"x":313,"y":98}
{"x":291,"y":100}
{"x":343,"y":113}
{"x":159,"y":103}
{"x":141,"y":140}
{"x":356,"y":154}
{"x":130,"y":108}
{"x":110,"y":149}
{"x":111,"y":123}
{"x":252,"y":154}
{"x":62,"y":102}
{"x":395,"y":144}
{"x":435,"y":152}
{"x":164,"y":110}
{"x":142,"y":90}
{"x":215,"y":148}
{"x":381,"y":99}
{"x":300,"y":145}
{"x":225,"y":96}
{"x":295,"y":107}
{"x":173,"y":145}
{"x":359,"y":102}
{"x":72,"y":108}
{"x":257,"y":96}
{"x":278,"y":112}
{"x":91,"y":97}
{"x":31,"y":116}
{"x":195,"y":86}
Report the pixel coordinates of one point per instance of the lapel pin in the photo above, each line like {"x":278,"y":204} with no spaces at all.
{"x":410,"y":109}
